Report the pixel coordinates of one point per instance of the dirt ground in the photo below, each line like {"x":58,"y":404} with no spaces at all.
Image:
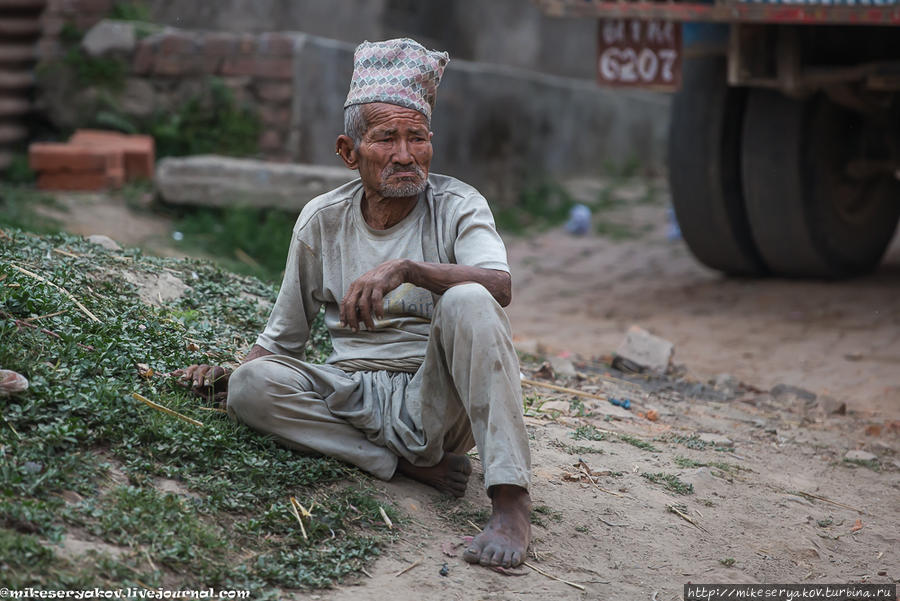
{"x":774,"y":498}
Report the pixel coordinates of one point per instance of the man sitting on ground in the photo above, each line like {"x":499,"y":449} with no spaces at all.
{"x":412,"y":275}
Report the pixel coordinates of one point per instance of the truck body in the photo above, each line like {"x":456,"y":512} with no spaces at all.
{"x":784,"y":145}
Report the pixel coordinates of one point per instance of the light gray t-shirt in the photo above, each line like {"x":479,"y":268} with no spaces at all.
{"x":332,"y":246}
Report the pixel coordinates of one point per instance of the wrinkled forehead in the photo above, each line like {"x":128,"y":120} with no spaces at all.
{"x":380,"y":116}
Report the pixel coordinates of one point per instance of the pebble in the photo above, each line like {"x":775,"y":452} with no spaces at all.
{"x":715,"y":438}
{"x":857,"y":455}
{"x":104,"y":241}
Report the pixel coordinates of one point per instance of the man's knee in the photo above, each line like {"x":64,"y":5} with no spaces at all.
{"x":467,"y":300}
{"x":246,"y":388}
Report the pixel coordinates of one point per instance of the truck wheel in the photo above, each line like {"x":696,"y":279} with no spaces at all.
{"x":810,"y":216}
{"x":704,"y":168}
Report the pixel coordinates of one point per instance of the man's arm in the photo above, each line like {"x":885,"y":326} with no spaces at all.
{"x":364,"y":299}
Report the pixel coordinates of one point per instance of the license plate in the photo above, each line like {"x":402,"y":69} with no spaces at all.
{"x":639,"y":54}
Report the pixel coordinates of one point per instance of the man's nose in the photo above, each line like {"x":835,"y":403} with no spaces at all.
{"x":402,"y":155}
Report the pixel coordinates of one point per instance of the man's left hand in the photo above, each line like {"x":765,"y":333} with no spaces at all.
{"x":365,"y":299}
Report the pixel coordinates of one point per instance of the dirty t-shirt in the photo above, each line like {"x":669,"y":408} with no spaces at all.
{"x":332,"y":246}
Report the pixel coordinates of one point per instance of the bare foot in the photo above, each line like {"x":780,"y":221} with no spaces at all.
{"x":450,"y":476}
{"x":505,"y":538}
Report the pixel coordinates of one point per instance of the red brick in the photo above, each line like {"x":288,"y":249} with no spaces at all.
{"x":210,"y":65}
{"x":246,"y":44}
{"x":238,"y":66}
{"x":97,"y":6}
{"x":170,"y":64}
{"x":275,"y":115}
{"x":144,"y":58}
{"x":81,"y":180}
{"x":177,"y":42}
{"x":57,"y":157}
{"x":276,"y":44}
{"x":139,"y":151}
{"x":219,"y":44}
{"x":274,"y":68}
{"x":275,"y":92}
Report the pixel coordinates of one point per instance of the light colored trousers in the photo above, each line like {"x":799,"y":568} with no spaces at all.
{"x":466,"y":393}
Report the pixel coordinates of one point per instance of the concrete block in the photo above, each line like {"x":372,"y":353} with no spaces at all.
{"x":645,"y":350}
{"x":109,"y":36}
{"x":216,"y":181}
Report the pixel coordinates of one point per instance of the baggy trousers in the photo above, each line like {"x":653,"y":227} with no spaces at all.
{"x":466,"y":393}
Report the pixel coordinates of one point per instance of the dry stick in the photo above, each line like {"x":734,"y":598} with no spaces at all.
{"x":552,"y":577}
{"x":66,"y":253}
{"x":216,"y":409}
{"x":25,"y":323}
{"x":408,"y":568}
{"x":611,"y":524}
{"x":686,"y":518}
{"x":574,"y":391}
{"x":385,"y":517}
{"x":61,"y":289}
{"x":583,"y":467}
{"x":48,"y":315}
{"x":171,"y":412}
{"x":294,"y":504}
{"x":812,"y":496}
{"x":363,"y":570}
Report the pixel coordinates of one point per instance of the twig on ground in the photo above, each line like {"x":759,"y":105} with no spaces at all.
{"x":574,"y":391}
{"x":686,"y":517}
{"x":171,"y":412}
{"x":364,"y":571}
{"x":66,"y":253}
{"x":474,"y":525}
{"x":294,"y":504}
{"x":60,"y":288}
{"x":150,"y":561}
{"x":385,"y":517}
{"x":611,"y":524}
{"x":408,"y":568}
{"x":216,"y":409}
{"x":826,"y":500}
{"x":24,"y":323}
{"x":590,"y":476}
{"x":552,"y":577}
{"x":5,"y":421}
{"x":48,"y":315}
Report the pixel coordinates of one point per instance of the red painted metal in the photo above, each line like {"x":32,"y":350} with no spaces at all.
{"x":724,"y":12}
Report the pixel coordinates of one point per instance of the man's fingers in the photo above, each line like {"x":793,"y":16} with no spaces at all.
{"x":365,"y":308}
{"x":378,"y":303}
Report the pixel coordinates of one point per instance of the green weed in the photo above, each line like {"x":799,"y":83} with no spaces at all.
{"x":637,"y":442}
{"x":588,"y":432}
{"x":18,"y":204}
{"x":671,"y":482}
{"x":872,"y":464}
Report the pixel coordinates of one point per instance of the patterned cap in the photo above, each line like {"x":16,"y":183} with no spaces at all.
{"x":400,"y":71}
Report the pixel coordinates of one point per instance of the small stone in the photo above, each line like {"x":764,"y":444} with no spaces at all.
{"x":716,"y":439}
{"x":784,"y":393}
{"x":645,"y":350}
{"x":109,"y":36}
{"x":828,"y":405}
{"x":33,"y":467}
{"x":563,"y":367}
{"x":857,"y":455}
{"x":726,"y":383}
{"x":12,"y":382}
{"x":104,"y":241}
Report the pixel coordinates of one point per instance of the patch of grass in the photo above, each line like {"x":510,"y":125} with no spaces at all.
{"x":588,"y":432}
{"x":693,"y":442}
{"x":19,"y":171}
{"x":637,"y":442}
{"x":77,"y":423}
{"x":575,"y":449}
{"x":459,"y":513}
{"x":614,"y":231}
{"x":582,"y":529}
{"x":245,"y":240}
{"x":17,"y":209}
{"x":727,"y":561}
{"x":687,"y":463}
{"x":130,"y":11}
{"x":825,"y":523}
{"x":872,"y":464}
{"x":539,"y":512}
{"x":577,"y":408}
{"x":541,"y":205}
{"x":90,"y":71}
{"x":671,"y":482}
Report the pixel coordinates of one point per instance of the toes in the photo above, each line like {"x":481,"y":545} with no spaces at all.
{"x":472,"y":554}
{"x":516,"y":560}
{"x":506,"y":561}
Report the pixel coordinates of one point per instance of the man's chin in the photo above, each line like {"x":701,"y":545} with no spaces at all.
{"x":403,"y":189}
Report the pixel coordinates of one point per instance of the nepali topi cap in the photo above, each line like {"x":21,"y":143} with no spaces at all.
{"x":401,"y":72}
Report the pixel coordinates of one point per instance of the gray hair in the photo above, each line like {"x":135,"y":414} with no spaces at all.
{"x":355,"y":124}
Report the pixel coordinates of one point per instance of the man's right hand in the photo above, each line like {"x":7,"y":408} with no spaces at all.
{"x":207,"y":381}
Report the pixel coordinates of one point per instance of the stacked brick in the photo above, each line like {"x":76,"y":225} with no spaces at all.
{"x":19,"y":30}
{"x":92,"y":160}
{"x":258,"y":68}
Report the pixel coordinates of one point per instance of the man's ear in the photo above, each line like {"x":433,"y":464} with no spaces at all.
{"x":346,"y":149}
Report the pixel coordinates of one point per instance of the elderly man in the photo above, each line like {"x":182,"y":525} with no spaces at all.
{"x":412,"y":275}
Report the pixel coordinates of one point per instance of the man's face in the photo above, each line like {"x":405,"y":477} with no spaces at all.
{"x":395,"y":153}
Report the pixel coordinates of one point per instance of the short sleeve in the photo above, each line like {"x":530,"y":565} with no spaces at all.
{"x":477,"y":242}
{"x":287,"y":330}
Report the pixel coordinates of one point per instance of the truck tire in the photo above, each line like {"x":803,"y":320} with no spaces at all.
{"x":704,"y":169}
{"x":808,"y":216}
